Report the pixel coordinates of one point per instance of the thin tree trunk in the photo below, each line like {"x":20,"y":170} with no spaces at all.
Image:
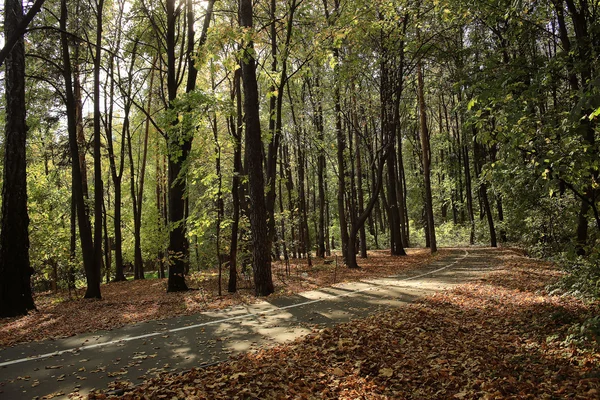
{"x":478,"y":162}
{"x":341,"y":144}
{"x":93,"y":289}
{"x":85,"y":230}
{"x":116,"y":174}
{"x":359,"y":192}
{"x":360,"y":221}
{"x":426,"y":158}
{"x":236,"y":189}
{"x":320,"y":170}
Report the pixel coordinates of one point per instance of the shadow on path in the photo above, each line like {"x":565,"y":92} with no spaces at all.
{"x":139,"y":351}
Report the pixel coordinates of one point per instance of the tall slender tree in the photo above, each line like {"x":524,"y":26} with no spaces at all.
{"x":261,"y":250}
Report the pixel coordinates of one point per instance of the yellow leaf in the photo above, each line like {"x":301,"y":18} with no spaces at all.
{"x":387,"y":372}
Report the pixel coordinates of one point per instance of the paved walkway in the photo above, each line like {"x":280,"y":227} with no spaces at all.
{"x":134,"y":352}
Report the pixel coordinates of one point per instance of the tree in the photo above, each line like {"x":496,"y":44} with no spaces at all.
{"x":15,"y":269}
{"x":261,"y":246}
{"x":93,"y":288}
{"x":425,"y":147}
{"x":92,"y":270}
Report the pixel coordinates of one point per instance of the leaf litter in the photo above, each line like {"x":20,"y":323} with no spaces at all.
{"x":501,"y":337}
{"x":62,"y":315}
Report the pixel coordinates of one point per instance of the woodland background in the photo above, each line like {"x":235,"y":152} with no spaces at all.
{"x":164,"y":137}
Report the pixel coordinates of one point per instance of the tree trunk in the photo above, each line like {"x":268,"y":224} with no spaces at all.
{"x":139,"y":194}
{"x":478,"y":161}
{"x":319,"y":125}
{"x":360,"y":221}
{"x":263,"y":281}
{"x":426,"y":158}
{"x":85,"y":229}
{"x":236,"y":188}
{"x":275,"y":111}
{"x":359,"y":191}
{"x":284,"y":245}
{"x":15,"y":269}
{"x":117,"y":175}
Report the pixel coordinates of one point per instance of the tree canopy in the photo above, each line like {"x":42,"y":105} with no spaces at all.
{"x":173,"y":136}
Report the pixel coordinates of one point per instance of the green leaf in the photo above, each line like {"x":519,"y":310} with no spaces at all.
{"x":594,"y":114}
{"x":471,"y":104}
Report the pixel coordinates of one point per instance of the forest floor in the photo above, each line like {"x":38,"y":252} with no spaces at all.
{"x":502,"y":336}
{"x":65,"y":314}
{"x":487,"y":328}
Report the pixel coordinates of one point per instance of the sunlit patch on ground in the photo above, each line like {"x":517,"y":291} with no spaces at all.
{"x":63,"y":315}
{"x":501,"y":337}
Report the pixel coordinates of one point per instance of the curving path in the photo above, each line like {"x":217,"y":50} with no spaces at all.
{"x":81,"y":363}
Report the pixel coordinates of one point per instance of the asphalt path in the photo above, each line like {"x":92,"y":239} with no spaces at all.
{"x":55,"y":368}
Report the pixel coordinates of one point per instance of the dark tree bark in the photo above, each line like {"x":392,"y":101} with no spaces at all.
{"x":137,"y":192}
{"x":17,"y":30}
{"x":275,"y":110}
{"x":92,"y":270}
{"x":319,"y":125}
{"x":304,"y":248}
{"x":284,"y":244}
{"x":341,"y":144}
{"x":359,"y":186}
{"x":161,"y":209}
{"x":236,"y":124}
{"x":15,"y":269}
{"x":360,"y":221}
{"x":93,"y":281}
{"x":116,"y":172}
{"x":220,"y":206}
{"x":402,"y":193}
{"x":478,"y":161}
{"x":289,"y":184}
{"x":390,"y":91}
{"x":179,"y":144}
{"x":178,"y":149}
{"x":263,"y":281}
{"x":426,"y":159}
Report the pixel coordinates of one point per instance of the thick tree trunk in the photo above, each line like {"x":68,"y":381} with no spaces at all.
{"x":72,"y":242}
{"x":15,"y":269}
{"x":263,"y":281}
{"x":160,"y":208}
{"x":220,"y":205}
{"x":178,"y":150}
